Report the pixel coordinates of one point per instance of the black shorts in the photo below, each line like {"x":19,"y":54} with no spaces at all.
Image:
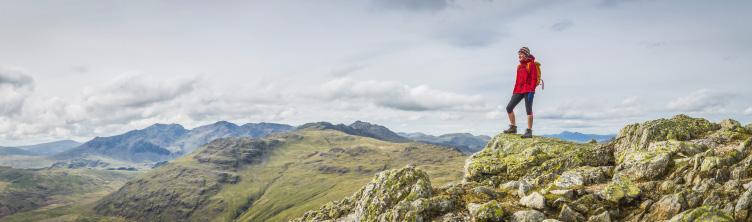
{"x":516,"y":98}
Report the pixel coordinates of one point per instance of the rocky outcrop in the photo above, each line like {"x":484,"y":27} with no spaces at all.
{"x":677,"y":169}
{"x":394,"y":195}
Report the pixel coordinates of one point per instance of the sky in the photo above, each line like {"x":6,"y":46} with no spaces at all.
{"x":80,"y":69}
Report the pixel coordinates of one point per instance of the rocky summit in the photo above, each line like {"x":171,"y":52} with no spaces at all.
{"x":677,"y":169}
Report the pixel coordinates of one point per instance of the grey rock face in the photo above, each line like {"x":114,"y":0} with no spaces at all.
{"x":535,"y":200}
{"x":528,"y":216}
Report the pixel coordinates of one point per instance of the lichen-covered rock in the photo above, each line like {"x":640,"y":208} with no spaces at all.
{"x":643,"y":165}
{"x":535,"y":200}
{"x":567,"y":214}
{"x":528,"y":216}
{"x":668,"y":206}
{"x":731,"y":125}
{"x":620,"y":189}
{"x":524,"y":188}
{"x":487,"y":212}
{"x":569,"y":194}
{"x":702,"y":214}
{"x":483,"y":193}
{"x":390,"y":196}
{"x":582,"y":176}
{"x":743,"y":205}
{"x":538,"y":160}
{"x":680,"y":127}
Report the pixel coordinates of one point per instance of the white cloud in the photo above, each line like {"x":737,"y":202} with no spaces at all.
{"x":450,"y":116}
{"x":592,"y":110}
{"x":136,"y":91}
{"x":15,"y":87}
{"x":748,"y":111}
{"x":701,"y":101}
{"x":399,"y":96}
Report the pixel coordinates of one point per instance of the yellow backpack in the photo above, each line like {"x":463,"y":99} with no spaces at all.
{"x":540,"y":80}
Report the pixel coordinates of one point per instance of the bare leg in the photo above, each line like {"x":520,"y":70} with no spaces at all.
{"x":511,"y":119}
{"x":530,"y":121}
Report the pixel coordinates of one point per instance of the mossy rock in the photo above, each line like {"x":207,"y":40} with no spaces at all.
{"x":620,"y":190}
{"x":680,"y":127}
{"x":672,"y":147}
{"x":582,"y":176}
{"x":644,"y":165}
{"x":731,"y":130}
{"x":732,"y":125}
{"x":480,"y":194}
{"x":388,"y":189}
{"x":491,"y":211}
{"x":589,"y":204}
{"x":703,"y":214}
{"x":539,"y":160}
{"x":393,"y":195}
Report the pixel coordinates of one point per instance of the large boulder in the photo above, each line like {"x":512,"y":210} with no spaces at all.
{"x":680,"y":127}
{"x":528,"y":216}
{"x":644,"y":165}
{"x":535,"y":200}
{"x":538,"y":160}
{"x":668,"y":206}
{"x":393,"y":195}
{"x":568,"y":214}
{"x":743,"y":206}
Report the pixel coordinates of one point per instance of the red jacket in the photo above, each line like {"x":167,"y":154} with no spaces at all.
{"x":527,"y":76}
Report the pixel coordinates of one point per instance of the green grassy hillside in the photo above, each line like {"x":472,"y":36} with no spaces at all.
{"x":274,"y":179}
{"x":32,"y":195}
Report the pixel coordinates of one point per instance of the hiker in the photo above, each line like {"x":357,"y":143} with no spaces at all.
{"x":528,"y":77}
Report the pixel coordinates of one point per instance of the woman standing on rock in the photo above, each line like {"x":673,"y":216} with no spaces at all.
{"x":528,"y":76}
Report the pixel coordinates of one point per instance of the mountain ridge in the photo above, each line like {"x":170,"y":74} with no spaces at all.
{"x":464,"y":142}
{"x":359,"y":128}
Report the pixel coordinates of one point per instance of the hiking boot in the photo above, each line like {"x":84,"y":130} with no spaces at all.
{"x":528,"y":134}
{"x":512,"y":129}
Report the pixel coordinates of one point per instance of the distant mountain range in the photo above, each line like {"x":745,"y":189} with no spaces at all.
{"x":161,"y":142}
{"x":42,"y":149}
{"x":464,"y":142}
{"x":581,"y":137}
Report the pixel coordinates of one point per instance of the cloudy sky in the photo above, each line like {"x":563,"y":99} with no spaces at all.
{"x":79,"y":69}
